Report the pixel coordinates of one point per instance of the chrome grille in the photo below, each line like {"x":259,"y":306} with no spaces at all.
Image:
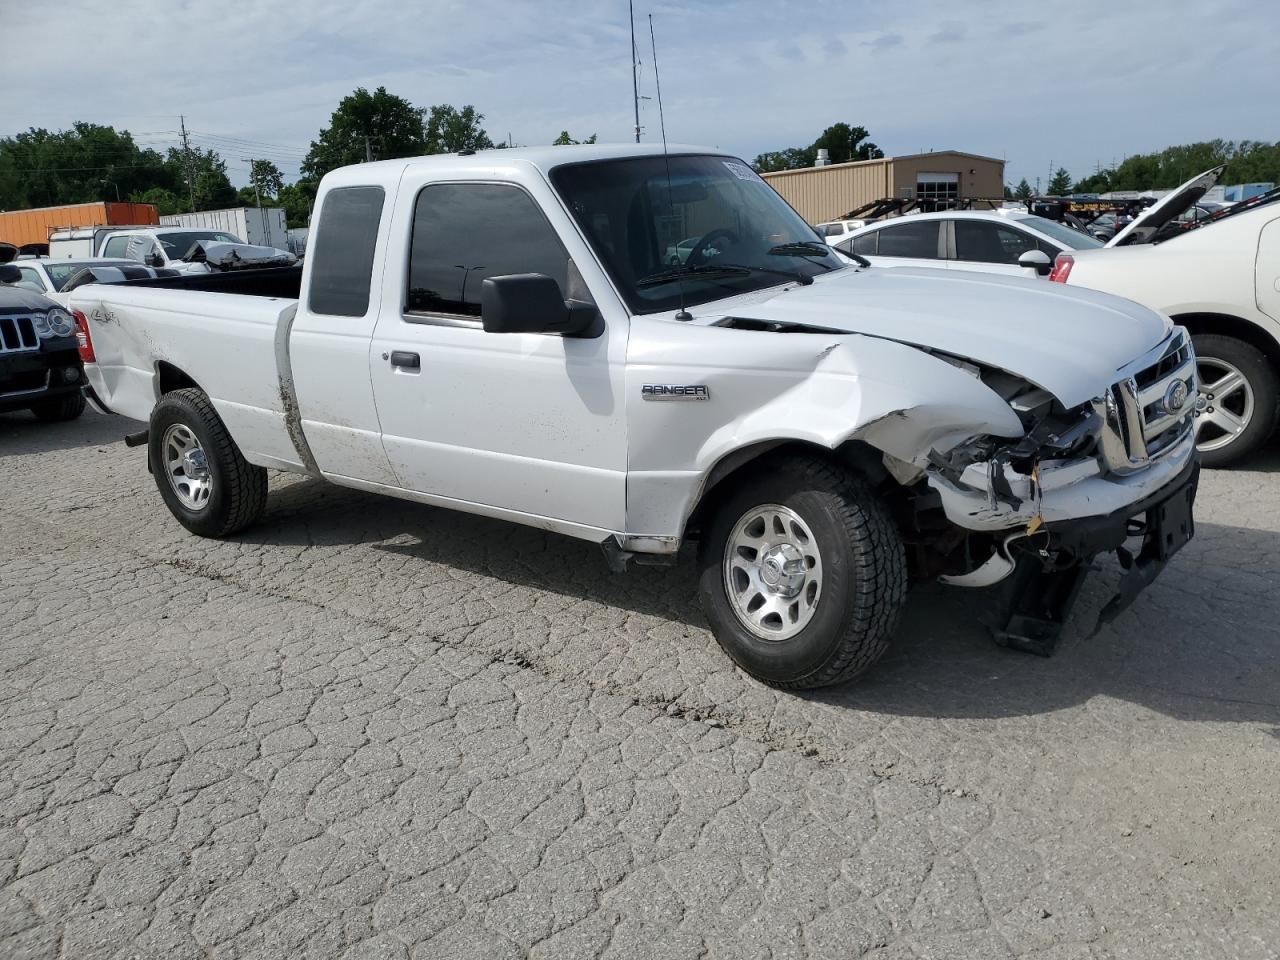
{"x":18,"y":335}
{"x":1140,"y":417}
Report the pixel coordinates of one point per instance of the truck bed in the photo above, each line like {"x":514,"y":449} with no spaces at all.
{"x":283,"y":282}
{"x":226,"y":333}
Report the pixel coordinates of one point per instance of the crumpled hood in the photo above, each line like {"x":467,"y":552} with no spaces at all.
{"x":1068,"y":340}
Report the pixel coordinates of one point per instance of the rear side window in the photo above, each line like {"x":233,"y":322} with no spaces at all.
{"x":864,"y":245}
{"x":978,"y":241}
{"x":465,"y":232}
{"x":918,"y":240}
{"x":342,"y":254}
{"x":116,"y":247}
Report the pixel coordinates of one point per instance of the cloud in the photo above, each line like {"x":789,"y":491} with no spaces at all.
{"x":1021,"y":29}
{"x":269,"y":77}
{"x":886,"y":41}
{"x":789,"y":51}
{"x":952,"y":31}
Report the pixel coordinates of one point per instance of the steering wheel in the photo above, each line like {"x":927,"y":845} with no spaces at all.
{"x":697,"y":255}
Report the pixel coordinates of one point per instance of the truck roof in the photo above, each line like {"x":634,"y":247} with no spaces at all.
{"x":541,"y":158}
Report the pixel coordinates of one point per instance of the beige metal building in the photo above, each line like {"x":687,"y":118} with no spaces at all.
{"x":827,"y":193}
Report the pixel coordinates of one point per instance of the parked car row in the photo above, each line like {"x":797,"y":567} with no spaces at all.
{"x":1214,"y":269}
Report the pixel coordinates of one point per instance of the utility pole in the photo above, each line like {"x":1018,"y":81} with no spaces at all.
{"x":368,"y":153}
{"x":635,"y":83}
{"x":257,"y":194}
{"x":186,"y":150}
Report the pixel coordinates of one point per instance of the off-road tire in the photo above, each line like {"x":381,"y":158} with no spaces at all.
{"x":863,"y":566}
{"x":239,"y":492}
{"x":1266,"y":396}
{"x":69,"y":406}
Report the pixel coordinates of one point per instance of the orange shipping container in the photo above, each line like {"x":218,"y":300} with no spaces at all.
{"x":32,"y":226}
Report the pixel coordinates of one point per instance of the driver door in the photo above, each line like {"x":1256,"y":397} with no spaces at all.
{"x":510,"y":423}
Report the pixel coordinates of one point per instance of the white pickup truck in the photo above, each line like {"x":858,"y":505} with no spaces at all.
{"x":501,"y":333}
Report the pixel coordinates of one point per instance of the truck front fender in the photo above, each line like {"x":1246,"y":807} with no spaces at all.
{"x":818,"y":390}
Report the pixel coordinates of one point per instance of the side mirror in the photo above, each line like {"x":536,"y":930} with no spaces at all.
{"x":154,"y":259}
{"x":10,"y":273}
{"x":1036,"y":260}
{"x":533,"y":303}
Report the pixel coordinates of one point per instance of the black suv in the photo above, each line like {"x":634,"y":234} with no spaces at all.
{"x":40,"y":367}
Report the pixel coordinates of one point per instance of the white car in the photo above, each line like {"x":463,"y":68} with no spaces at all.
{"x":1008,"y":241}
{"x":47,"y":276}
{"x":503,"y":334}
{"x":1220,"y":280}
{"x":833,"y":231}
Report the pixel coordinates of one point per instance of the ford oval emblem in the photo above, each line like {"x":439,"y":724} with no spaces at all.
{"x":1176,"y":396}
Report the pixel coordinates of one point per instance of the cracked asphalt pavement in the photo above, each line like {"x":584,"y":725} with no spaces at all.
{"x":371,"y":729}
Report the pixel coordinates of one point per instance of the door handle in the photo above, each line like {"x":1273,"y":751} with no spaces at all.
{"x":405,"y":359}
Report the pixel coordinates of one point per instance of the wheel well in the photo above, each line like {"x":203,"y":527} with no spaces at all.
{"x":172,"y":378}
{"x":1226,"y":325}
{"x":855,"y":455}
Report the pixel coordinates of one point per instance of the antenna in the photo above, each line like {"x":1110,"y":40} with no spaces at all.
{"x":635,"y":83}
{"x":683,"y":314}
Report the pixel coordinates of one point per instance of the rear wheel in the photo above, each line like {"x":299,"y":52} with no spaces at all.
{"x":66,"y":407}
{"x":203,"y":479}
{"x":1237,"y":402}
{"x":802,"y":575}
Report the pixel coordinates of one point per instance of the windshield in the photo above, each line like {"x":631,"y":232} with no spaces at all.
{"x":176,"y":245}
{"x":1072,"y":238}
{"x":713,"y":227}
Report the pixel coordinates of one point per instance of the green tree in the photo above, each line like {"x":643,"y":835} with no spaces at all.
{"x":163,"y":199}
{"x":1059,"y":183}
{"x":793,"y":158}
{"x":1248,"y":161}
{"x":844,"y":143}
{"x":266,"y":178}
{"x":841,"y":141}
{"x":85,"y":163}
{"x":565,"y":140}
{"x":377,"y":126}
{"x":1023,"y":190}
{"x":450,"y":130}
{"x":202,"y":178}
{"x":297,"y":200}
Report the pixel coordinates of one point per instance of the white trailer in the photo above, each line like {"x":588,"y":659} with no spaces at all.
{"x":261,"y":226}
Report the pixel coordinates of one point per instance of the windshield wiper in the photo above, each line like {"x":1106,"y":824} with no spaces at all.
{"x":800,"y":248}
{"x":709,"y":271}
{"x":812,"y":248}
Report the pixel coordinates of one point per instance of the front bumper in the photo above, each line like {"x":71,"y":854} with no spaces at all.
{"x":29,"y":377}
{"x":1043,"y":588}
{"x":1067,"y":491}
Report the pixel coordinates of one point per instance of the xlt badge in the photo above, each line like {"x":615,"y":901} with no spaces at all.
{"x":675,"y":391}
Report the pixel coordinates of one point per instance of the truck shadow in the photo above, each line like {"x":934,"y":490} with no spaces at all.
{"x":1203,"y":643}
{"x":22,"y":433}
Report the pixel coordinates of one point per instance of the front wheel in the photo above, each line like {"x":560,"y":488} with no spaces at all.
{"x":802,"y":575}
{"x":1238,"y":399}
{"x":203,"y":478}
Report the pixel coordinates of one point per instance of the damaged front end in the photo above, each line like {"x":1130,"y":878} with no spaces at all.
{"x":1117,"y":474}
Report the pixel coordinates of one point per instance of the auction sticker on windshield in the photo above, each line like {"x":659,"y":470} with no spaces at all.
{"x":740,"y":170}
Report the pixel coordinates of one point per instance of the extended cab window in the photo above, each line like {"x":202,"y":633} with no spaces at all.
{"x":116,"y":247}
{"x":465,"y":232}
{"x":342,"y":254}
{"x":917,"y":240}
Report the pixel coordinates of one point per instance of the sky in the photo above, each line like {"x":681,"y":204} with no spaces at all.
{"x":1040,"y":85}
